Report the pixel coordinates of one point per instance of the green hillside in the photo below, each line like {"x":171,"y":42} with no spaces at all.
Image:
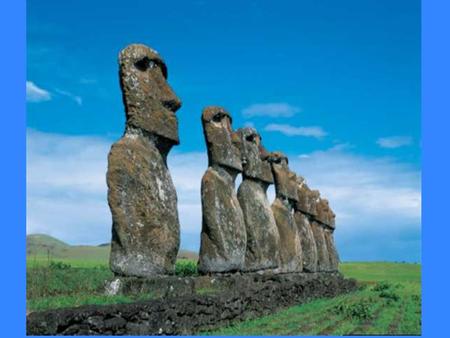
{"x":40,"y":242}
{"x":44,"y":248}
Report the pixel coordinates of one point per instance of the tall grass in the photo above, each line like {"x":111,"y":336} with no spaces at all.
{"x":56,"y":284}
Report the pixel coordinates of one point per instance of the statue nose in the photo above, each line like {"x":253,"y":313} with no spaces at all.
{"x":172,"y":104}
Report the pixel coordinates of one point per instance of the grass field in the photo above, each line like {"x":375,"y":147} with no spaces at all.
{"x":389,"y":301}
{"x":42,"y":249}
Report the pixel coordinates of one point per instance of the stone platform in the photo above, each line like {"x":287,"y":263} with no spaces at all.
{"x":187,"y":305}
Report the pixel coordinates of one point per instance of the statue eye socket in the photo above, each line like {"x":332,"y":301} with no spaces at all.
{"x":218,"y":117}
{"x":250,"y":138}
{"x":144,"y":64}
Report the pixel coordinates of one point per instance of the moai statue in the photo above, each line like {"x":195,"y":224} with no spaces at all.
{"x":323,"y":257}
{"x":327,"y":217}
{"x":141,"y":195}
{"x":263,"y":240}
{"x":302,"y":217}
{"x":286,"y":195}
{"x":223,"y":237}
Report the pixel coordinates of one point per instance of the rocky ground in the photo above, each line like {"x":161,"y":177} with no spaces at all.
{"x":254,"y":295}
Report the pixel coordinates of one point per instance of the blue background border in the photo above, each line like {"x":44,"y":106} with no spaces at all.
{"x":12,"y":167}
{"x":435,"y":165}
{"x":436,"y":169}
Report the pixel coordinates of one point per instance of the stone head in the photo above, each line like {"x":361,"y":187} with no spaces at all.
{"x":314,"y":198}
{"x":263,"y":152}
{"x":150,"y":103}
{"x":303,"y":191}
{"x":328,"y":215}
{"x":323,"y":211}
{"x":222,"y":143}
{"x":285,"y":180}
{"x":332,"y":219}
{"x":252,"y":161}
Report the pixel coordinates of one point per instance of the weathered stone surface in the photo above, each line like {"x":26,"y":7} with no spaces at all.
{"x":143,"y":203}
{"x":323,"y":257}
{"x":223,"y":237}
{"x":285,"y":180}
{"x":306,"y":198}
{"x":290,"y":246}
{"x":326,"y":218}
{"x":150,"y":103}
{"x":141,"y":194}
{"x":308,"y":244}
{"x":222,"y":149}
{"x":323,"y":212}
{"x":332,"y":251}
{"x":303,"y":214}
{"x":286,"y":195}
{"x":330,"y":216}
{"x":263,"y":240}
{"x":249,"y":296}
{"x":254,"y":159}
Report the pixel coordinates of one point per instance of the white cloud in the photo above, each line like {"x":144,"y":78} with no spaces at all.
{"x":36,"y":94}
{"x":394,"y":141}
{"x":357,"y":185}
{"x":78,"y":100}
{"x":377,"y":200}
{"x":289,"y":130}
{"x":66,"y":188}
{"x":279,"y":109}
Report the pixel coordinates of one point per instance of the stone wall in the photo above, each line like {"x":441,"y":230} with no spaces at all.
{"x":250,"y":296}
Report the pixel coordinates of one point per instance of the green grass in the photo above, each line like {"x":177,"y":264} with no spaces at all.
{"x":207,"y":291}
{"x":41,"y":249}
{"x":43,"y":261}
{"x":54,"y":302}
{"x":382,"y":271}
{"x":61,"y":285}
{"x":389,"y":302}
{"x":68,"y":283}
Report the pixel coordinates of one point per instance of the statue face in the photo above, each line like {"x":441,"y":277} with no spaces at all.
{"x":150,"y":103}
{"x":303,"y":191}
{"x":314,"y":198}
{"x":332,"y":218}
{"x":285,"y":180}
{"x":324,"y":213}
{"x":329,"y":216}
{"x":252,"y":163}
{"x":222,"y":144}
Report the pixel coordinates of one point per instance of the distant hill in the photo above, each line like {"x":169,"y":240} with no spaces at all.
{"x":44,"y":247}
{"x":41,"y":240}
{"x":40,"y":244}
{"x":186,"y":254}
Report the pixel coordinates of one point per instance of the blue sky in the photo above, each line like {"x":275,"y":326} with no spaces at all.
{"x":335,"y":85}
